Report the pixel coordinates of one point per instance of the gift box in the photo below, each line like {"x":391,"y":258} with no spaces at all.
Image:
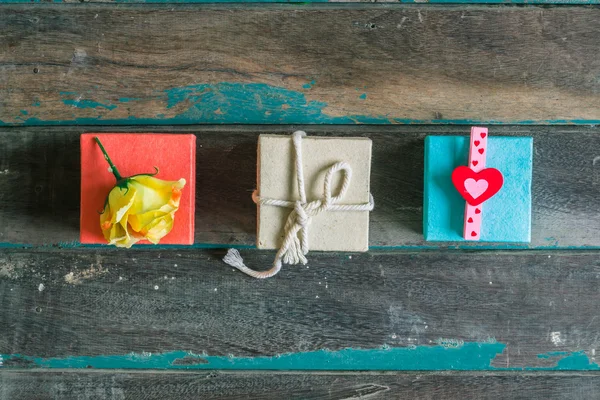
{"x":506,"y":216}
{"x":277,"y":179}
{"x":133,"y":154}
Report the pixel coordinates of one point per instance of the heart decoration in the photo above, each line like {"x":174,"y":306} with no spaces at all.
{"x":477,"y":187}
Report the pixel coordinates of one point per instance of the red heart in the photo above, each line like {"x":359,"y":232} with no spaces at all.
{"x":473,"y":233}
{"x":480,"y":151}
{"x":477,"y":211}
{"x":476,"y":143}
{"x":483,"y":135}
{"x":475,"y":163}
{"x":470,"y":220}
{"x":464,"y":178}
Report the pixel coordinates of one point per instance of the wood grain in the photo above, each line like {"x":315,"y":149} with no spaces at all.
{"x":178,"y":63}
{"x":446,"y":2}
{"x":273,"y":385}
{"x":541,"y":306}
{"x":39,"y":183}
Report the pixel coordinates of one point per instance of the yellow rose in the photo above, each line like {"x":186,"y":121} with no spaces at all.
{"x":139,"y":207}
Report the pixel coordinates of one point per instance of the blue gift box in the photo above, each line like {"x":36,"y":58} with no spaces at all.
{"x":506,"y":217}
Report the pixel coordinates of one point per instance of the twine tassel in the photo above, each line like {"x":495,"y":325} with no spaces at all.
{"x":234,"y":259}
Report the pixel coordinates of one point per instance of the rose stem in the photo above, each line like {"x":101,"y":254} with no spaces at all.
{"x":113,"y":168}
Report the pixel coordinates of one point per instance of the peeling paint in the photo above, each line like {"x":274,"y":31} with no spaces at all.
{"x":225,"y":103}
{"x":569,"y":361}
{"x":309,"y":85}
{"x":465,"y":356}
{"x":79,"y":102}
{"x":249,"y":102}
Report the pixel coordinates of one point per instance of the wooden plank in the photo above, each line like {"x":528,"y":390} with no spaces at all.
{"x":39,"y":183}
{"x":568,"y":2}
{"x":275,"y":385}
{"x":338,"y":64}
{"x":184,"y":309}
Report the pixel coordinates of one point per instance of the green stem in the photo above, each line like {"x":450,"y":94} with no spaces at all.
{"x":113,"y":168}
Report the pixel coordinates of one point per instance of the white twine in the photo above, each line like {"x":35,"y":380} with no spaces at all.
{"x":294,"y":248}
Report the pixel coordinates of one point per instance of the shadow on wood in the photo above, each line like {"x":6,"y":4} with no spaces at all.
{"x":40,"y":184}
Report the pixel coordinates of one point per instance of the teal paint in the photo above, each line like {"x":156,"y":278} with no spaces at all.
{"x":24,"y":112}
{"x":252,"y":103}
{"x":363,"y":96}
{"x":161,"y":119}
{"x":459,"y":357}
{"x":218,"y":1}
{"x":576,"y":361}
{"x":129,"y":99}
{"x":36,"y":104}
{"x":83,"y":103}
{"x":553,"y":354}
{"x":5,"y":245}
{"x":469,"y":356}
{"x":234,"y":103}
{"x":34,"y":121}
{"x":309,"y":85}
{"x":568,"y":361}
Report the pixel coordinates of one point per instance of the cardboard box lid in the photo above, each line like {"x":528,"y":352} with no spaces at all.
{"x":330,"y":230}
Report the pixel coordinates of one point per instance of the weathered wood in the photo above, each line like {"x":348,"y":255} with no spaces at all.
{"x":39,"y":183}
{"x":379,"y":64}
{"x":570,"y":2}
{"x":275,"y":385}
{"x":435,"y":310}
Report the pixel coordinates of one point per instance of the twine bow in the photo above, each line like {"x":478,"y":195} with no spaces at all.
{"x":295,"y":246}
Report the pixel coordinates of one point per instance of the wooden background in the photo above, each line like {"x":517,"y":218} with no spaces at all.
{"x":409,"y":319}
{"x":281,"y":64}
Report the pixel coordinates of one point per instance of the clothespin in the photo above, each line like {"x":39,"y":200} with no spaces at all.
{"x":476,"y":183}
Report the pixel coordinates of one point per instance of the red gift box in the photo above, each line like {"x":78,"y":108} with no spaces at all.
{"x":133,"y":154}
